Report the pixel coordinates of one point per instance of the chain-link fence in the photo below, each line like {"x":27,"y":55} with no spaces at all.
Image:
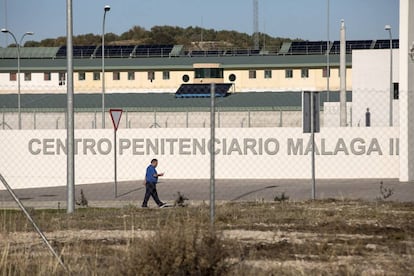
{"x":257,"y":152}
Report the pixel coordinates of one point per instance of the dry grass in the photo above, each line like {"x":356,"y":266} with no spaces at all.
{"x":280,"y":238}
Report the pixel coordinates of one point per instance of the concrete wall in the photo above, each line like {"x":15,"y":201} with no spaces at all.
{"x":37,"y":158}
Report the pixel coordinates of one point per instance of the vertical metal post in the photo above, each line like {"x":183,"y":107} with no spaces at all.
{"x":19,"y":106}
{"x":70,"y":119}
{"x":3,"y":123}
{"x":248,"y":121}
{"x":103,"y":66}
{"x":212,"y":154}
{"x":115,"y":167}
{"x":313,"y":144}
{"x":391,"y":84}
{"x":342,"y":70}
{"x":280,"y":117}
{"x":328,"y":75}
{"x":34,"y":120}
{"x":126,"y":119}
{"x":186,"y":119}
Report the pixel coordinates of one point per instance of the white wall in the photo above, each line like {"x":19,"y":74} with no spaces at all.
{"x":32,"y":158}
{"x":371,"y":86}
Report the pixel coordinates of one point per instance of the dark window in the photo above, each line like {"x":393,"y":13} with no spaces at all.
{"x":288,"y":73}
{"x":13,"y":76}
{"x":208,"y":73}
{"x":131,"y":75}
{"x":116,"y":75}
{"x":186,"y":78}
{"x":27,"y":76}
{"x":304,"y":73}
{"x":47,"y":76}
{"x":324,"y":70}
{"x":268,"y":74}
{"x":151,"y":75}
{"x":62,"y":78}
{"x":252,"y":74}
{"x":166,"y":75}
{"x":396,"y":90}
{"x":81,"y":76}
{"x":96,"y":76}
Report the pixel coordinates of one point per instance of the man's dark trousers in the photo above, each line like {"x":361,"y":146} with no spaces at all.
{"x":151,"y":190}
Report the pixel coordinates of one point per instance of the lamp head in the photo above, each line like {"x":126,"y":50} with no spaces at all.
{"x":29,"y":33}
{"x":107,"y":8}
{"x":387,"y":27}
{"x":4,"y":30}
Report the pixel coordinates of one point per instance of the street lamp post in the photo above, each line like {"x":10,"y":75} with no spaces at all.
{"x":388,"y":28}
{"x":106,"y":9}
{"x":18,"y":70}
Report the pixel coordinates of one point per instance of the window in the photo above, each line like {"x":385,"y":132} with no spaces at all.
{"x":304,"y":73}
{"x":131,"y":75}
{"x":116,"y":75}
{"x":396,"y":90}
{"x":47,"y":76}
{"x":209,"y":73}
{"x":288,"y":73}
{"x":166,"y":75}
{"x":13,"y":76}
{"x":81,"y":76}
{"x":27,"y":76}
{"x":324,"y":70}
{"x":62,"y":78}
{"x":151,"y":75}
{"x":268,"y":74}
{"x":252,"y":74}
{"x":186,"y":78}
{"x":96,"y":76}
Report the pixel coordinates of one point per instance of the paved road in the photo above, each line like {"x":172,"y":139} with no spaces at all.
{"x":132,"y":192}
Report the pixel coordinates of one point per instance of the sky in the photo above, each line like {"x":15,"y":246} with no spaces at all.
{"x":306,"y":19}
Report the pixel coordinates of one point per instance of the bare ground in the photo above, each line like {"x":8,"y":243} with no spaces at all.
{"x":328,"y":237}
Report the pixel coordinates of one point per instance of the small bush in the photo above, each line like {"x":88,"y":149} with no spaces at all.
{"x":178,"y":250}
{"x":281,"y":197}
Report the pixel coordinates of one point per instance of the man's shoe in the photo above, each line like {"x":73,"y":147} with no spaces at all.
{"x":163,"y":205}
{"x":144,"y":206}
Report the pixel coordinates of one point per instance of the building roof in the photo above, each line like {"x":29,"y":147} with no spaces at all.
{"x":174,"y":63}
{"x":163,"y":101}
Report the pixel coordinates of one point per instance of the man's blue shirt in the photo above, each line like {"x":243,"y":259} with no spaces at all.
{"x":151,"y":171}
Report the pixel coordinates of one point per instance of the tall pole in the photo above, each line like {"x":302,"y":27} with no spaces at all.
{"x":212,"y":154}
{"x":18,"y":71}
{"x":106,"y":9}
{"x":328,"y":75}
{"x":70,"y":117}
{"x":312,"y":107}
{"x":388,"y":28}
{"x":342,"y":70}
{"x":115,"y":167}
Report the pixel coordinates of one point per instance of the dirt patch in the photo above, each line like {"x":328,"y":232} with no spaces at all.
{"x":254,"y":238}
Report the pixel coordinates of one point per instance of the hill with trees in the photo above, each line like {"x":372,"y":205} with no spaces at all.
{"x":190,"y":37}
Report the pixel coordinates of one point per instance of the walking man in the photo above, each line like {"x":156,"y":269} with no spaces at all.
{"x":151,"y":179}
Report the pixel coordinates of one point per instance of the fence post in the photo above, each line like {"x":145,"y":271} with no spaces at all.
{"x":34,"y":120}
{"x":248,"y":119}
{"x":280,"y":117}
